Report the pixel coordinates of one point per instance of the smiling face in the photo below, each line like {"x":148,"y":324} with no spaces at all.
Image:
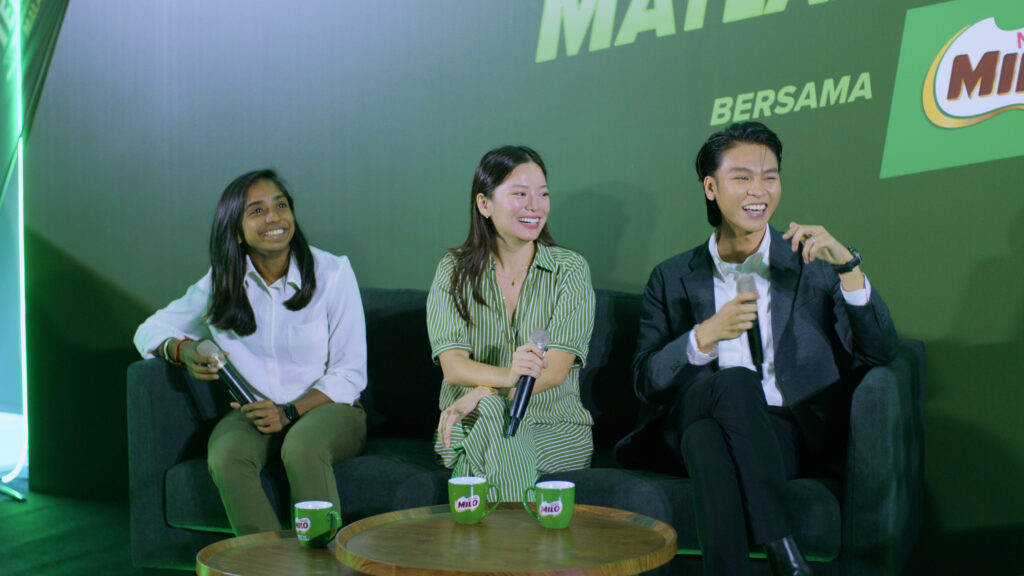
{"x":267,"y":221}
{"x":746,"y":187}
{"x":519,"y":206}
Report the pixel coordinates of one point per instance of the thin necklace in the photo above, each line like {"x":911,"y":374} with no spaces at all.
{"x":521,"y":270}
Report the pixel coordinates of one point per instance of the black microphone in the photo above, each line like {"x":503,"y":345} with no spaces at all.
{"x":524,"y":389}
{"x":229,"y":375}
{"x":746,"y":283}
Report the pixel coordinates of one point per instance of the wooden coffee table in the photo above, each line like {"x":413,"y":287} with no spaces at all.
{"x":426,"y":540}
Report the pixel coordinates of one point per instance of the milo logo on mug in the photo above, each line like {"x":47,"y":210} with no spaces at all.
{"x":302,"y":525}
{"x":467,"y":504}
{"x":467,"y":498}
{"x":554,"y":501}
{"x":550,"y":508}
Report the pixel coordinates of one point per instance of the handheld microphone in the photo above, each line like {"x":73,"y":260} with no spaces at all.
{"x":746,"y":283}
{"x":229,"y":375}
{"x":524,"y":389}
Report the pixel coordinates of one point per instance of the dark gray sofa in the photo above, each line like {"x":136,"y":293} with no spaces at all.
{"x":865,"y":523}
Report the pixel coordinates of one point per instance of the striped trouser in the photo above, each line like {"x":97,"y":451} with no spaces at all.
{"x":479,"y":447}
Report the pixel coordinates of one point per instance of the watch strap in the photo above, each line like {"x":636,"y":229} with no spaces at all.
{"x":291,"y":412}
{"x":853,"y":263}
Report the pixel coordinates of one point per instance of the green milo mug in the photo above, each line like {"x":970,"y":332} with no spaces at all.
{"x":316,"y":523}
{"x":553,"y":501}
{"x":467,"y":498}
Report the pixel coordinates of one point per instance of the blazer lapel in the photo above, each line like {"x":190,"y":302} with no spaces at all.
{"x":785,"y":277}
{"x":698,"y":284}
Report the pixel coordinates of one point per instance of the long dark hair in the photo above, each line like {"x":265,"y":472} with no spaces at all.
{"x":229,"y":304}
{"x":472,"y":256}
{"x":709,"y":158}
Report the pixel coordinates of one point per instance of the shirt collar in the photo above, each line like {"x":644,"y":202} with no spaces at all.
{"x":542,"y":259}
{"x":292,"y":277}
{"x":756,"y":263}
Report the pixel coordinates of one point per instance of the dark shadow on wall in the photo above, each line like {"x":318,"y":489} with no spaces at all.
{"x":596,"y":222}
{"x":80,"y":328}
{"x":984,"y":470}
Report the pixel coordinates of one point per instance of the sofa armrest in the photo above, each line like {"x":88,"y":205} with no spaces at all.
{"x":170,"y":415}
{"x":883,"y":496}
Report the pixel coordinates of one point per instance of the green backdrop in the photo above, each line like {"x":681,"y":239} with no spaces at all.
{"x":377,"y":112}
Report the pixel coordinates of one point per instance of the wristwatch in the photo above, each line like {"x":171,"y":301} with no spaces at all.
{"x":291,"y":412}
{"x":853,"y":263}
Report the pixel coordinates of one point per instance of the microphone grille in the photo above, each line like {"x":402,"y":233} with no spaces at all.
{"x":207,"y":348}
{"x":746,"y":283}
{"x":541,"y":338}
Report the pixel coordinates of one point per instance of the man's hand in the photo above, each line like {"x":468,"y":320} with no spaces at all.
{"x":818,"y":244}
{"x":735,"y":318}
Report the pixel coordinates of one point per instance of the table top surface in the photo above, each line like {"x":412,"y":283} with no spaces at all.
{"x":427,"y":540}
{"x":600,"y":541}
{"x":268,"y":554}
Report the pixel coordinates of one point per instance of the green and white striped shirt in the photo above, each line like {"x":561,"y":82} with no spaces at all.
{"x":557,"y":296}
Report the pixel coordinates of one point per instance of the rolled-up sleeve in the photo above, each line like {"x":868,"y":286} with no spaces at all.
{"x":573,"y":318}
{"x":345,"y":376}
{"x":445,"y":328}
{"x":184,"y":317}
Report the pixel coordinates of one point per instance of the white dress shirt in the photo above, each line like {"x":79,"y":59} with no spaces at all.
{"x":321,"y":346}
{"x":736,"y":352}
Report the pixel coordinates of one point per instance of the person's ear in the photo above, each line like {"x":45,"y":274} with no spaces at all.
{"x":483,"y":205}
{"x":710,"y":188}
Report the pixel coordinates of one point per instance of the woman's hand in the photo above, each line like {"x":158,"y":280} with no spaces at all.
{"x":528,"y":360}
{"x":459,"y":410}
{"x":266,"y":416}
{"x":199,"y":366}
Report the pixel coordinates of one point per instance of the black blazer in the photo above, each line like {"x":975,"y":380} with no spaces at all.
{"x":822,"y":344}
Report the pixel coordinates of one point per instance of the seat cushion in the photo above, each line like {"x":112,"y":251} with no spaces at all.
{"x":391,"y":474}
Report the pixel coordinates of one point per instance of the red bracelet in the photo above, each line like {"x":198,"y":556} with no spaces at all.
{"x":177,"y":349}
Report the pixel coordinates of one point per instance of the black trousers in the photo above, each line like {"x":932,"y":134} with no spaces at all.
{"x":738,"y":452}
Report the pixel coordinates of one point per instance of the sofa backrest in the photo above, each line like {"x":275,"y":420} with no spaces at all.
{"x":401,"y":397}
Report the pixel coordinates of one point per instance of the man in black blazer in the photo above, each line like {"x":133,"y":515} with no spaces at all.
{"x":737,"y":427}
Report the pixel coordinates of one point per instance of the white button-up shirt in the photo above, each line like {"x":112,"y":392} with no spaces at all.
{"x":321,"y":346}
{"x":736,"y":352}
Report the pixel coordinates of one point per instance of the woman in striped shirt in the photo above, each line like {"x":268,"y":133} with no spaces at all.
{"x":489,"y":294}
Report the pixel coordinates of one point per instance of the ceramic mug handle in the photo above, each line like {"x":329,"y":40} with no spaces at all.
{"x":335,"y":524}
{"x":527,"y":499}
{"x":495,"y":502}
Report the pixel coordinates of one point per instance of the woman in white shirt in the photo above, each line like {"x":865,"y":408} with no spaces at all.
{"x":290,"y":318}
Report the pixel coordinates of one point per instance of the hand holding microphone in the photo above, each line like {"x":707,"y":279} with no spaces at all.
{"x":232,"y":378}
{"x":747,"y":283}
{"x":524,"y":388}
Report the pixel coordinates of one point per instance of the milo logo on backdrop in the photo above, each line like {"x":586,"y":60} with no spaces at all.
{"x":467,"y":504}
{"x":550,"y":508}
{"x":978,"y":74}
{"x":958,"y":97}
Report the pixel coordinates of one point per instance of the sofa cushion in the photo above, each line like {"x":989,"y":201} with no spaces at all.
{"x":391,"y":474}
